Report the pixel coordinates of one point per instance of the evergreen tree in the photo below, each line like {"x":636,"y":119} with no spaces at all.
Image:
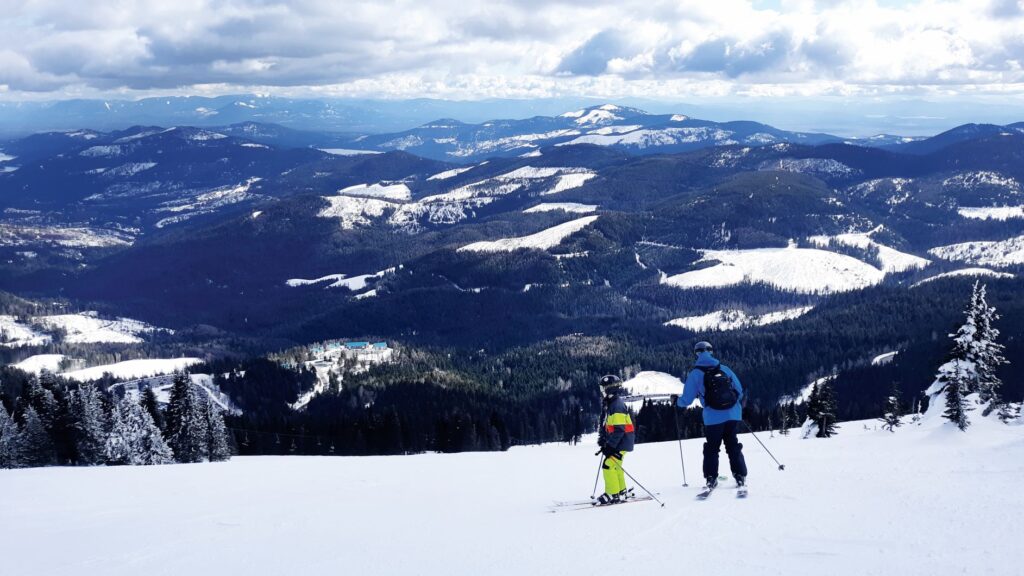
{"x":826,"y":409}
{"x":784,"y":421}
{"x":134,"y":438}
{"x":89,"y":425}
{"x":40,"y":398}
{"x":955,"y":381}
{"x":218,"y":447}
{"x":814,"y":404}
{"x":891,"y":417}
{"x":36,"y":445}
{"x":186,"y":421}
{"x":152,"y":405}
{"x":10,"y":441}
{"x":987,"y":353}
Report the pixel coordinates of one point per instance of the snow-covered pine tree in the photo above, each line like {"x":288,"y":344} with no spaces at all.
{"x":956,"y":379}
{"x":134,"y":439}
{"x":36,"y":446}
{"x":891,"y":417}
{"x":186,"y":421}
{"x":784,"y":420}
{"x":89,"y":424}
{"x":987,"y":352}
{"x":218,"y":446}
{"x":814,"y":404}
{"x":827,"y":409}
{"x":41,"y":398}
{"x":10,"y":442}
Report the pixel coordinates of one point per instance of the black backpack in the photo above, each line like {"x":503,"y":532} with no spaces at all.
{"x":719,"y":392}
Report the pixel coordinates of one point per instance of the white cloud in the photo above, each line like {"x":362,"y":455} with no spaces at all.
{"x":449,"y":48}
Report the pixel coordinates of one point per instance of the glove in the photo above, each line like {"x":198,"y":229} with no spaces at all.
{"x":675,"y":399}
{"x":609,"y":451}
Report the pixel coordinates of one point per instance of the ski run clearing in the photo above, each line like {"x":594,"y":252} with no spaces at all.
{"x":89,"y":328}
{"x":892,"y":260}
{"x":925,"y":500}
{"x":807,"y":270}
{"x":542,"y":240}
{"x":573,"y":207}
{"x":733,"y":319}
{"x":992,"y":212}
{"x":965,"y":272}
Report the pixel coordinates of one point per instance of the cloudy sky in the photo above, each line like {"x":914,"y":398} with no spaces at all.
{"x":463,"y":49}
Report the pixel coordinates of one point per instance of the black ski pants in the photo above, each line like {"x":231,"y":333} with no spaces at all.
{"x":714,"y":435}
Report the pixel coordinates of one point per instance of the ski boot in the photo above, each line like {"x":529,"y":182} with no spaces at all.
{"x":741,"y":481}
{"x":609,"y":499}
{"x":712,"y":482}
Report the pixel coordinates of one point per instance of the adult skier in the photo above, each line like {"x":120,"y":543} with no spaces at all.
{"x":721,"y":394}
{"x":615,"y":439}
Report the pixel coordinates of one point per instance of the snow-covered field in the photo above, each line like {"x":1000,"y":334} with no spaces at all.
{"x":965,"y":272}
{"x":732,"y":319}
{"x":800,"y":269}
{"x":89,"y":328}
{"x":563,"y":206}
{"x":14,"y":334}
{"x":542,"y":240}
{"x":992,"y":212}
{"x":926,"y":500}
{"x":39,"y":362}
{"x":984,"y":253}
{"x":892,"y":260}
{"x":133,"y":368}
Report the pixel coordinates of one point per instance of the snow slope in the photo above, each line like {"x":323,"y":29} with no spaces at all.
{"x":806,"y":270}
{"x":39,"y":362}
{"x":89,"y":328}
{"x":563,"y":206}
{"x":14,"y":334}
{"x":133,"y":368}
{"x":732,"y":319}
{"x":852,"y":505}
{"x":386,"y":191}
{"x":965,"y":272}
{"x":892,"y":260}
{"x":992,"y":212}
{"x":985,"y":253}
{"x":542,"y":240}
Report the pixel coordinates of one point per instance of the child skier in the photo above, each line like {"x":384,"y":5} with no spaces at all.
{"x":615,"y":439}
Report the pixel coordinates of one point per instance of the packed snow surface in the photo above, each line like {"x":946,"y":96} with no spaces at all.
{"x":732,"y":319}
{"x":563,"y":206}
{"x":965,"y":272}
{"x":892,"y":260}
{"x":851,"y":505}
{"x":985,"y":253}
{"x":133,"y":368}
{"x":807,"y":270}
{"x":354,"y":283}
{"x":347,"y":151}
{"x":992,"y":212}
{"x":449,"y":173}
{"x":543,"y":240}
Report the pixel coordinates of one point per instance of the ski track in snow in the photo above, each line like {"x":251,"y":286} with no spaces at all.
{"x":854,"y":504}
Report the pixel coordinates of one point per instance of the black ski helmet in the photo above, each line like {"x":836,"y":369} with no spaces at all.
{"x":702,"y":346}
{"x":610,"y":383}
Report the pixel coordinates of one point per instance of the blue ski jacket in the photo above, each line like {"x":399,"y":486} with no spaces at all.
{"x":693,"y":388}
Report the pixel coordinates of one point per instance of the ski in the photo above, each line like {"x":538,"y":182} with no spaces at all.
{"x":741,"y":492}
{"x":705,"y":493}
{"x":590,"y":506}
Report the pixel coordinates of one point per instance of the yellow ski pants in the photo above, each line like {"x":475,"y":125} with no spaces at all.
{"x":614,"y":477}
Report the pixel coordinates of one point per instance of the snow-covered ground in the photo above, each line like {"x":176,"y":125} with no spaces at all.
{"x":892,"y":260}
{"x":563,"y":206}
{"x":984,"y":253}
{"x":965,"y":272}
{"x":800,"y":269}
{"x":925,"y":500}
{"x":732,"y":319}
{"x":542,"y":240}
{"x":354,"y":283}
{"x":384,"y":190}
{"x":992,"y":212}
{"x":133,"y":368}
{"x":14,"y":334}
{"x":89,"y":328}
{"x":39,"y":362}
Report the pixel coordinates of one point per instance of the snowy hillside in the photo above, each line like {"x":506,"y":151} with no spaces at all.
{"x":542,"y":240}
{"x":732,"y":319}
{"x":90,"y":328}
{"x":892,"y":260}
{"x":800,"y":269}
{"x":133,"y":368}
{"x":985,"y":253}
{"x":925,"y":500}
{"x":965,"y":272}
{"x":14,"y":334}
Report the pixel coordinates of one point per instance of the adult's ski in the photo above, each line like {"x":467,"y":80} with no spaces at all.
{"x":569,"y":507}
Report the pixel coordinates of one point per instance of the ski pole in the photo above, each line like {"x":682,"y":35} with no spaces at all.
{"x":642,"y":486}
{"x":781,"y":466}
{"x":600,"y":465}
{"x":675,"y":414}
